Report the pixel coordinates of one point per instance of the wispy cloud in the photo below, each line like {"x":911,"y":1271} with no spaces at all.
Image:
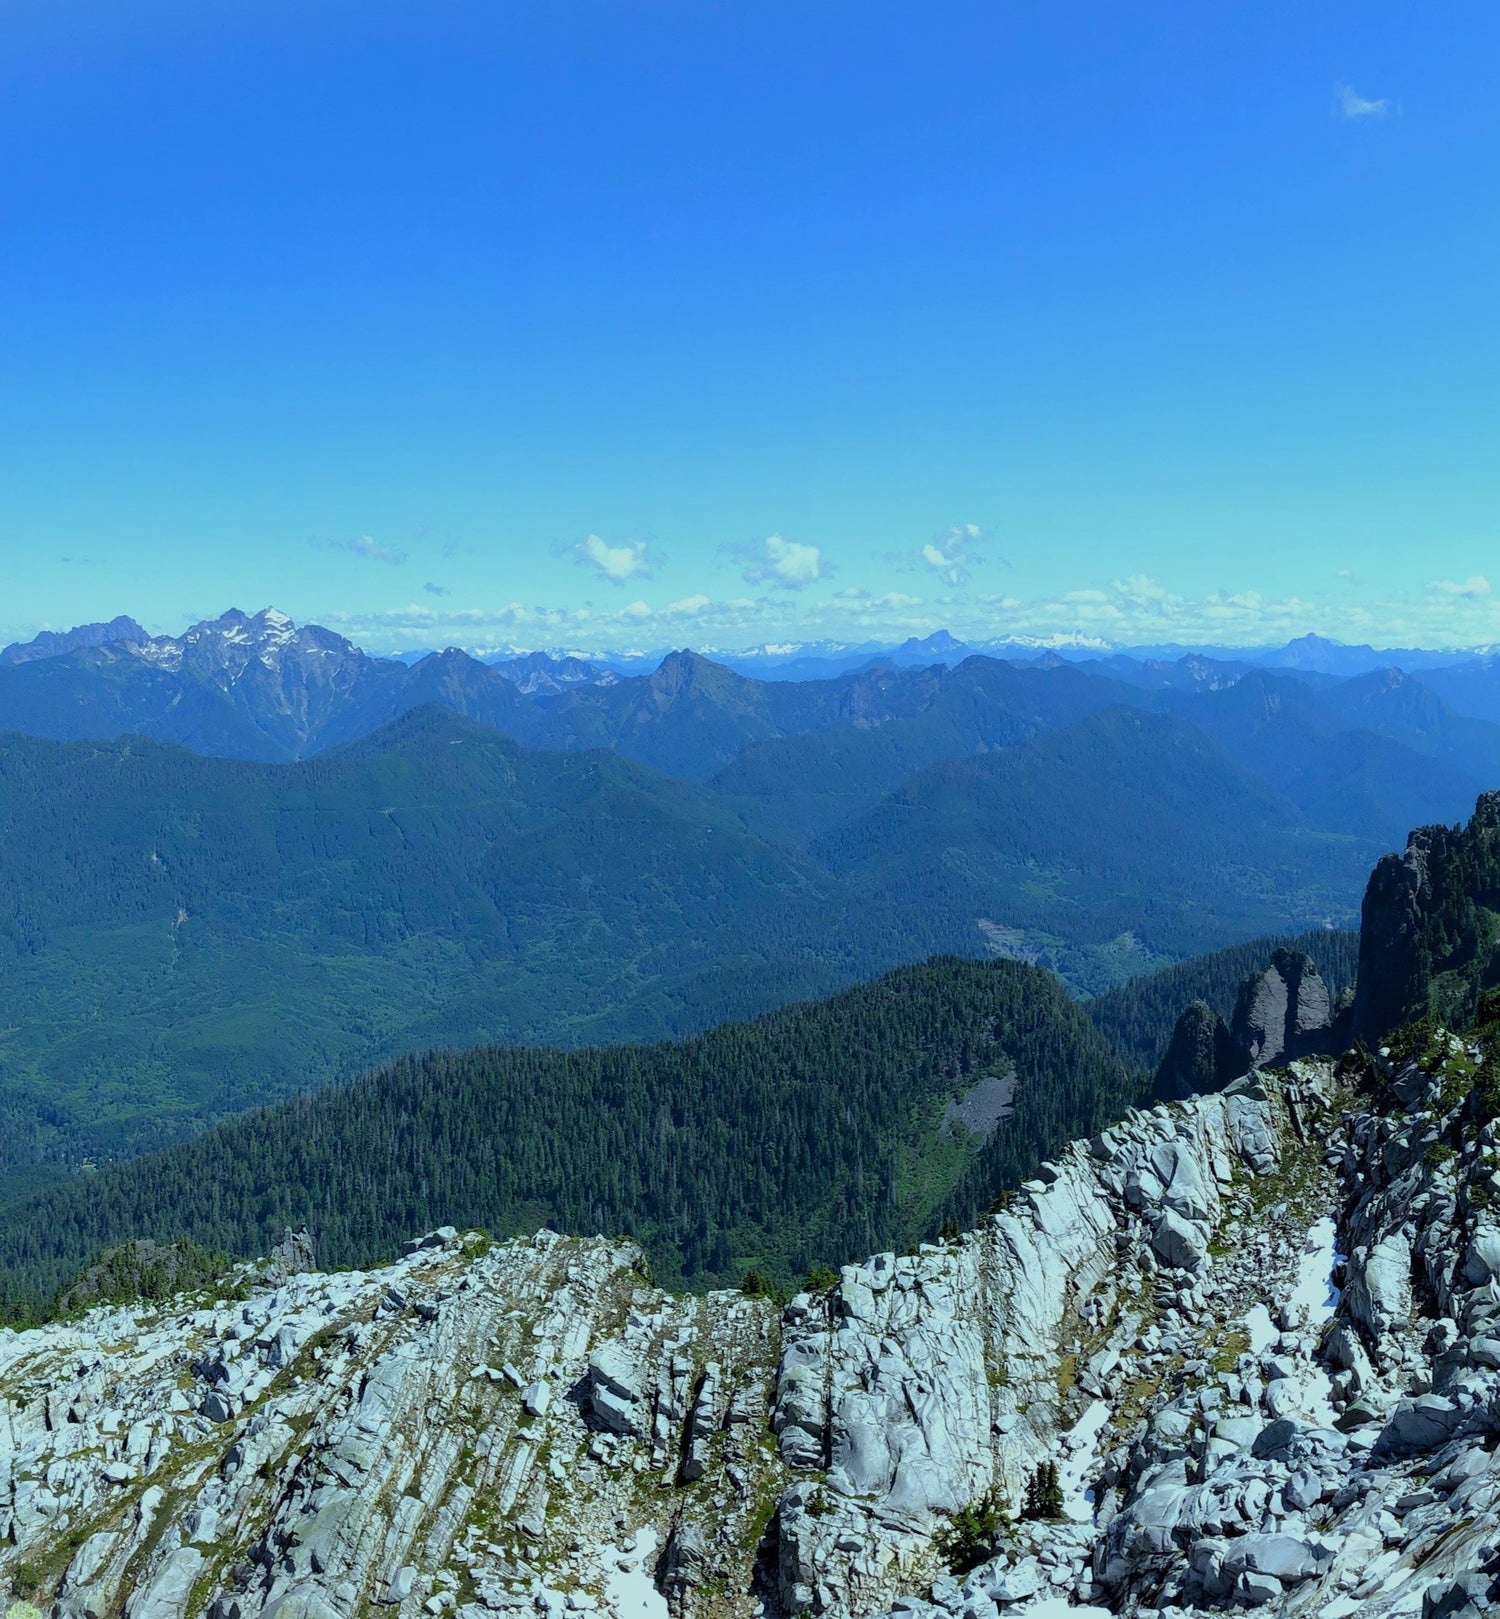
{"x":617,"y":563}
{"x":1349,"y":104}
{"x":363,"y":546}
{"x":1133,"y":610}
{"x":1475,"y":588}
{"x":788,"y":564}
{"x":955,"y":553}
{"x":436,"y":590}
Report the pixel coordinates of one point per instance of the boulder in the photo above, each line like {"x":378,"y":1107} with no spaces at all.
{"x":1256,"y":1590}
{"x":166,"y":1597}
{"x":612,"y":1367}
{"x":1179,"y":1242}
{"x":1275,"y":1439}
{"x":216,"y":1407}
{"x":618,"y":1415}
{"x":686,"y":1561}
{"x":1469,"y":1596}
{"x":1288,"y":1558}
{"x":1421,"y":1424}
{"x":1482,"y":1258}
{"x":1249,"y":1128}
{"x":1016,"y":1583}
{"x":1379,"y":1290}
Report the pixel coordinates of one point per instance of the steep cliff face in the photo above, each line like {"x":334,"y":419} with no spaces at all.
{"x":534,"y":1427}
{"x":1283,"y":1012}
{"x":1430,"y":924}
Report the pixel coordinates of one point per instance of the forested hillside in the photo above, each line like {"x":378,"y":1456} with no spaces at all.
{"x":182,"y":937}
{"x":810,"y":1135}
{"x":1373,"y":756}
{"x":805,"y":783}
{"x":1124,"y":821}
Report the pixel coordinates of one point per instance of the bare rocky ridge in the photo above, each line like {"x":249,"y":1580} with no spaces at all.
{"x":533,"y":1427}
{"x":58,"y":643}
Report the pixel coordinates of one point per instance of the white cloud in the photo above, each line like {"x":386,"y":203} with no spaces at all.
{"x":954,"y":554}
{"x":1135,"y":610}
{"x":1349,"y":105}
{"x":1471,"y":589}
{"x":787,"y":563}
{"x":617,"y":563}
{"x":363,"y":546}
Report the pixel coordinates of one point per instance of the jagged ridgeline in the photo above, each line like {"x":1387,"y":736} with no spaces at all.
{"x":806,"y":1136}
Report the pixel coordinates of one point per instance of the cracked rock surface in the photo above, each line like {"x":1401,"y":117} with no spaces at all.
{"x":1257,"y":1332}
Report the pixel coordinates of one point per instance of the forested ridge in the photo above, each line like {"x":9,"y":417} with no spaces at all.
{"x":1122,"y":821}
{"x":810,"y":1135}
{"x":182,"y":937}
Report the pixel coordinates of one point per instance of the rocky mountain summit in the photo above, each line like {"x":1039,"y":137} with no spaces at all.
{"x":58,"y":643}
{"x":1249,"y":1343}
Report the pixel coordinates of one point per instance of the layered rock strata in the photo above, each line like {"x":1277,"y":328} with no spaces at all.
{"x":533,"y":1427}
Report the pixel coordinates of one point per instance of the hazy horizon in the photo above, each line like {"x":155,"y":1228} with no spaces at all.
{"x":772,"y":649}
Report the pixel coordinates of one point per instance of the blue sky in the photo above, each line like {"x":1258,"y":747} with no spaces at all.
{"x":577,"y":323}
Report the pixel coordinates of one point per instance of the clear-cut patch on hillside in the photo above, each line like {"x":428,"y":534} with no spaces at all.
{"x":982,"y":1108}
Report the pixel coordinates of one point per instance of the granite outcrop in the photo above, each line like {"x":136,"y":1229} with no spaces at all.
{"x":1255,"y":1333}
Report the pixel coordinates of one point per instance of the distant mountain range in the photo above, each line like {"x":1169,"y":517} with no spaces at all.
{"x":1099,"y":814}
{"x":263,"y":688}
{"x":903,"y":740}
{"x":245,"y":861}
{"x":1307,"y":654}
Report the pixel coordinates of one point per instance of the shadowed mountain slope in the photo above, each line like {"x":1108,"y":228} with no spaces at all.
{"x":1126,"y":820}
{"x":185,"y":936}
